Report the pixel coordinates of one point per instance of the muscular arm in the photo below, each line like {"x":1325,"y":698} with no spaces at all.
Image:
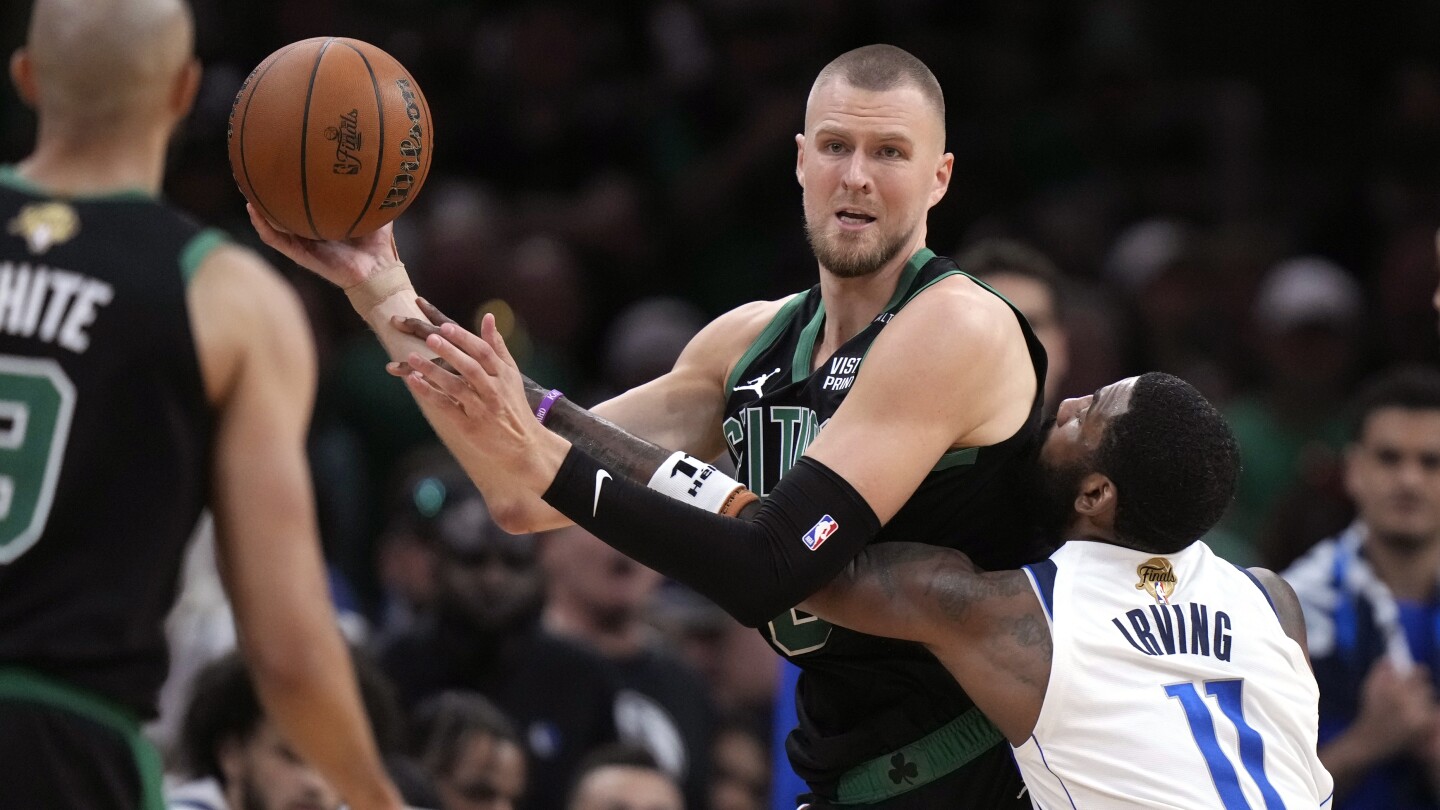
{"x":1287,"y":606}
{"x":981,"y":391}
{"x":986,"y":628}
{"x":259,"y":367}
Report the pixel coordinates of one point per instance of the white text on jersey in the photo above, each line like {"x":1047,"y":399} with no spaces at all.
{"x":54,"y":305}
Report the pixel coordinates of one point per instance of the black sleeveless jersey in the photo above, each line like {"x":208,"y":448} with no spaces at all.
{"x":860,"y":696}
{"x":105,"y":434}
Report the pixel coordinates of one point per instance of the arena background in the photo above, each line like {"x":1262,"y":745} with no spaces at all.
{"x":613,"y":174}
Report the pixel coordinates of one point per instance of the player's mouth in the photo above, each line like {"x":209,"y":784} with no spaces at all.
{"x":853,"y":220}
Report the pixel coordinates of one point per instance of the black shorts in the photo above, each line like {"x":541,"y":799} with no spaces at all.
{"x":61,"y":759}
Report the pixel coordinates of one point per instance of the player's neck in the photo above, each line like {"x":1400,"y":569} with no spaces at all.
{"x":567,"y":618}
{"x":1410,"y":569}
{"x":71,"y":164}
{"x":851,"y":304}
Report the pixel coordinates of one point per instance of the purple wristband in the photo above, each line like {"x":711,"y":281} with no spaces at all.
{"x":546,"y":404}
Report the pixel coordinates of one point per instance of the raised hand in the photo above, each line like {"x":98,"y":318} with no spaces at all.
{"x":482,"y":397}
{"x":417,"y":328}
{"x":344,"y":263}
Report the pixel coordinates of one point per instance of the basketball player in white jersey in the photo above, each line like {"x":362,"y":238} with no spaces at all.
{"x":1134,"y":668}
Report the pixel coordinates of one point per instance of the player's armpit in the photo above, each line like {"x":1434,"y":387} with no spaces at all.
{"x":684,"y":408}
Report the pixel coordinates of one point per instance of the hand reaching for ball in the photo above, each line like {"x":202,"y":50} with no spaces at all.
{"x":342,"y":262}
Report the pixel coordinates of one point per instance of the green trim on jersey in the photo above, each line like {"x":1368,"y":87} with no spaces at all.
{"x":939,"y":753}
{"x":767,"y":337}
{"x":199,"y":247}
{"x":28,"y":687}
{"x":805,"y":351}
{"x":10,"y":176}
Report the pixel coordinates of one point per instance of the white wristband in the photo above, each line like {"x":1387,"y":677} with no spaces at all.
{"x":686,"y":478}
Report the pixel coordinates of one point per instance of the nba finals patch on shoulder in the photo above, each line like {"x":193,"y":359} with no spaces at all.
{"x":43,"y":225}
{"x":1157,"y":577}
{"x":820,"y":532}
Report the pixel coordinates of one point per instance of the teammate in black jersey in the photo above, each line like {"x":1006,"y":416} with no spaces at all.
{"x":928,"y":388}
{"x":147,"y":370}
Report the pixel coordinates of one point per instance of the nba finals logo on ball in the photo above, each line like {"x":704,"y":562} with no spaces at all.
{"x":330,"y":138}
{"x":1157,"y":576}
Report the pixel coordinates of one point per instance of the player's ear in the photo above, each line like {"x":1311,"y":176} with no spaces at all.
{"x":182,"y":92}
{"x":1097,"y":495}
{"x":22,"y":74}
{"x":943,"y":171}
{"x":800,"y":158}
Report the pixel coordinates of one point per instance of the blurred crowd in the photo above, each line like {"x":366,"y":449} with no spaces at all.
{"x":1244,"y":196}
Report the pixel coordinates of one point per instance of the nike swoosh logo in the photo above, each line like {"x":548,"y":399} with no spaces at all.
{"x":600,"y":476}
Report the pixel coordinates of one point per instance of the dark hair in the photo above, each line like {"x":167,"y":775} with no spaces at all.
{"x":441,"y":725}
{"x":224,"y":706}
{"x":614,"y":755}
{"x":1411,"y":388}
{"x":1174,"y":462}
{"x":885,"y":67}
{"x":995,"y":256}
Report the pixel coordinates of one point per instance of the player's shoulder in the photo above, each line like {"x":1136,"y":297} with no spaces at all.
{"x":233,"y":281}
{"x":730,"y":334}
{"x":755,"y":315}
{"x":956,"y":317}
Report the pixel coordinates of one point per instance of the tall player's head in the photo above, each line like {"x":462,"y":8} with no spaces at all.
{"x":872,"y":159}
{"x":1146,"y":462}
{"x":98,"y":70}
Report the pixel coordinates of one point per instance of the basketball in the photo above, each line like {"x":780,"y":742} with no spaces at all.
{"x":330,"y":138}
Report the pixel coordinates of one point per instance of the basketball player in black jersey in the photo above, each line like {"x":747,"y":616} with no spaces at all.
{"x":927,"y":384}
{"x":148,"y":369}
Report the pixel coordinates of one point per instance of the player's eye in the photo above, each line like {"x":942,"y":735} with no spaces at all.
{"x":1387,"y":457}
{"x":890,"y":152}
{"x":834,"y":147}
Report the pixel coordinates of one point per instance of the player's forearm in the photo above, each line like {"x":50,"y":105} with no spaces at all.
{"x":312,"y":698}
{"x":617,"y":450}
{"x":895,"y":590}
{"x":801,"y":536}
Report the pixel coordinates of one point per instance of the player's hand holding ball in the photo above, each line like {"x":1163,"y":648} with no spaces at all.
{"x":330,"y":139}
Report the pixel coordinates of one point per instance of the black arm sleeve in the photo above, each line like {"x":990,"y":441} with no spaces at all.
{"x":805,"y":532}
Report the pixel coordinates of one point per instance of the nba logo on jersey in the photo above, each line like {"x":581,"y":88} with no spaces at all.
{"x":820,"y":532}
{"x":1157,"y":575}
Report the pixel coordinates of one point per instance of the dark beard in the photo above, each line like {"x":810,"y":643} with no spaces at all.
{"x":1055,"y":499}
{"x":848,"y":264}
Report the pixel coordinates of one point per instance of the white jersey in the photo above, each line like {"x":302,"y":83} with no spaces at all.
{"x":1172,"y":685}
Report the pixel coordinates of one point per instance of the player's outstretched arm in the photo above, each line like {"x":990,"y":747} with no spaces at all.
{"x":258,"y":364}
{"x":810,"y":525}
{"x":369,"y":270}
{"x":987,"y":628}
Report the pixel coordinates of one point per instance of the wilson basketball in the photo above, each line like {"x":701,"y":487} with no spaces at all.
{"x":330,"y":138}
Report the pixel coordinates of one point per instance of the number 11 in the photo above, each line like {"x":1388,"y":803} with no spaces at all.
{"x":1228,"y":694}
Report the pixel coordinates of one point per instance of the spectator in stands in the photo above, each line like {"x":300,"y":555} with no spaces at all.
{"x":1372,"y":604}
{"x":471,"y":751}
{"x":598,"y":596}
{"x":237,"y":759}
{"x":485,"y":635}
{"x":623,"y":777}
{"x":1309,"y":317}
{"x":1029,"y":280}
